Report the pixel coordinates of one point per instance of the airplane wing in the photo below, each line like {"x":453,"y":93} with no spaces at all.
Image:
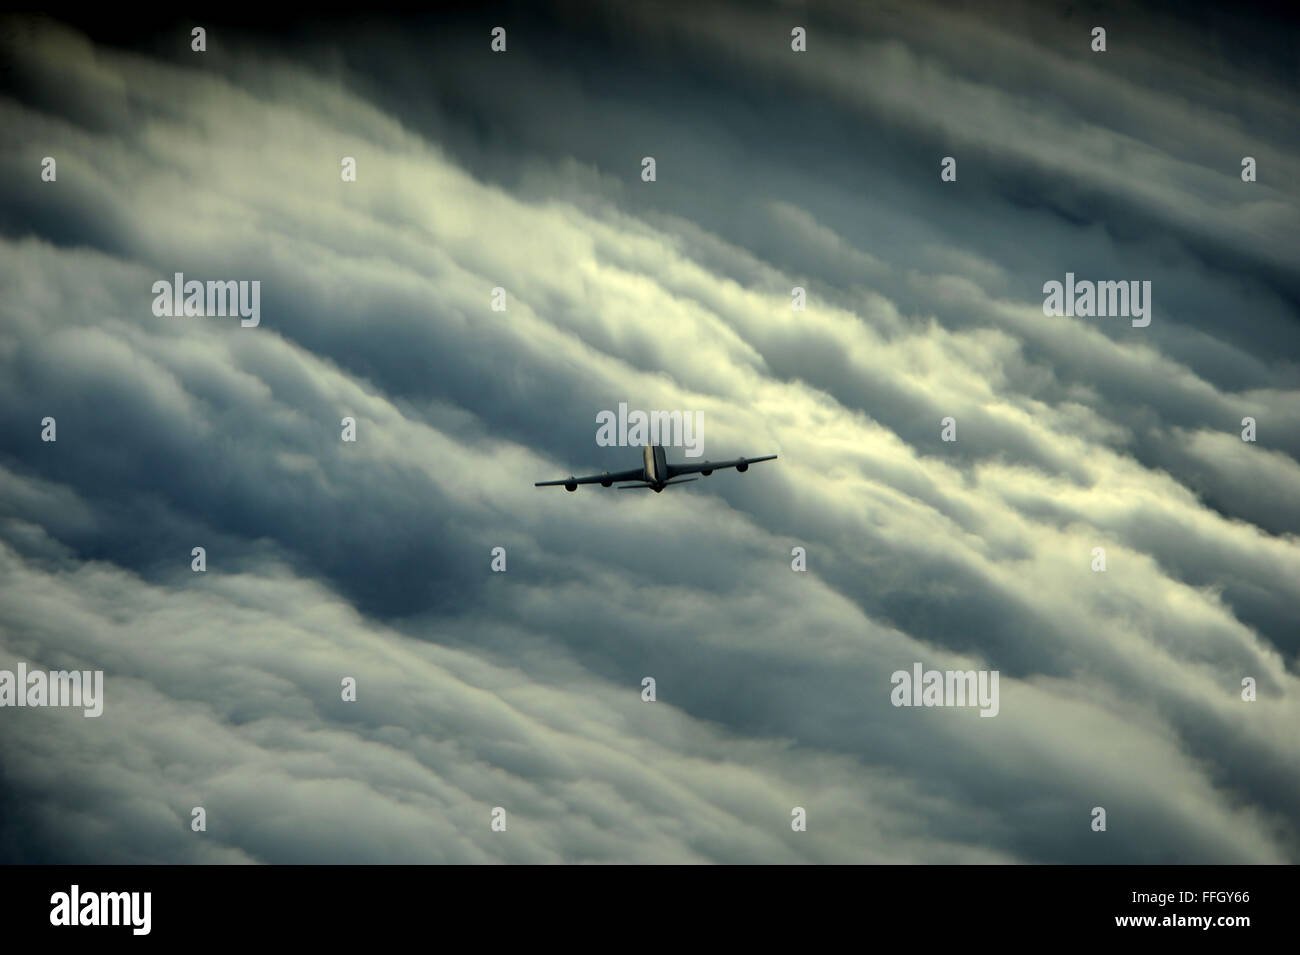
{"x":708,"y":467}
{"x":608,"y":478}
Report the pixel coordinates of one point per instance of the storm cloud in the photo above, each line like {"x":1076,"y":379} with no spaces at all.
{"x":329,"y":559}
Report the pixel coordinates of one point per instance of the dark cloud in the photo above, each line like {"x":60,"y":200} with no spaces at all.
{"x":371,"y":559}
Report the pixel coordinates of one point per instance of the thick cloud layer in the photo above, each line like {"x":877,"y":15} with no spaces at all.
{"x":522,"y":690}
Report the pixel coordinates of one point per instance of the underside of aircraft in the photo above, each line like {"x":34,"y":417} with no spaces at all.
{"x":655,"y":472}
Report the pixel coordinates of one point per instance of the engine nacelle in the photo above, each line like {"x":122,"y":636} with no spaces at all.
{"x":742,"y":467}
{"x":570,"y":484}
{"x":707,"y":470}
{"x":605,"y":481}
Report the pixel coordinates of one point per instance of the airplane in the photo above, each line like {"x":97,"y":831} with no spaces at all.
{"x":655,"y":472}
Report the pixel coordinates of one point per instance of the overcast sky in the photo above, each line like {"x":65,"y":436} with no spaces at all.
{"x":774,"y":169}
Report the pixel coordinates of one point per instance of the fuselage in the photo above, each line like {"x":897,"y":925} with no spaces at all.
{"x":655,"y":462}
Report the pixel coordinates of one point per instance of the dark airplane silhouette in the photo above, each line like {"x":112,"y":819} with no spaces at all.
{"x":655,"y":472}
